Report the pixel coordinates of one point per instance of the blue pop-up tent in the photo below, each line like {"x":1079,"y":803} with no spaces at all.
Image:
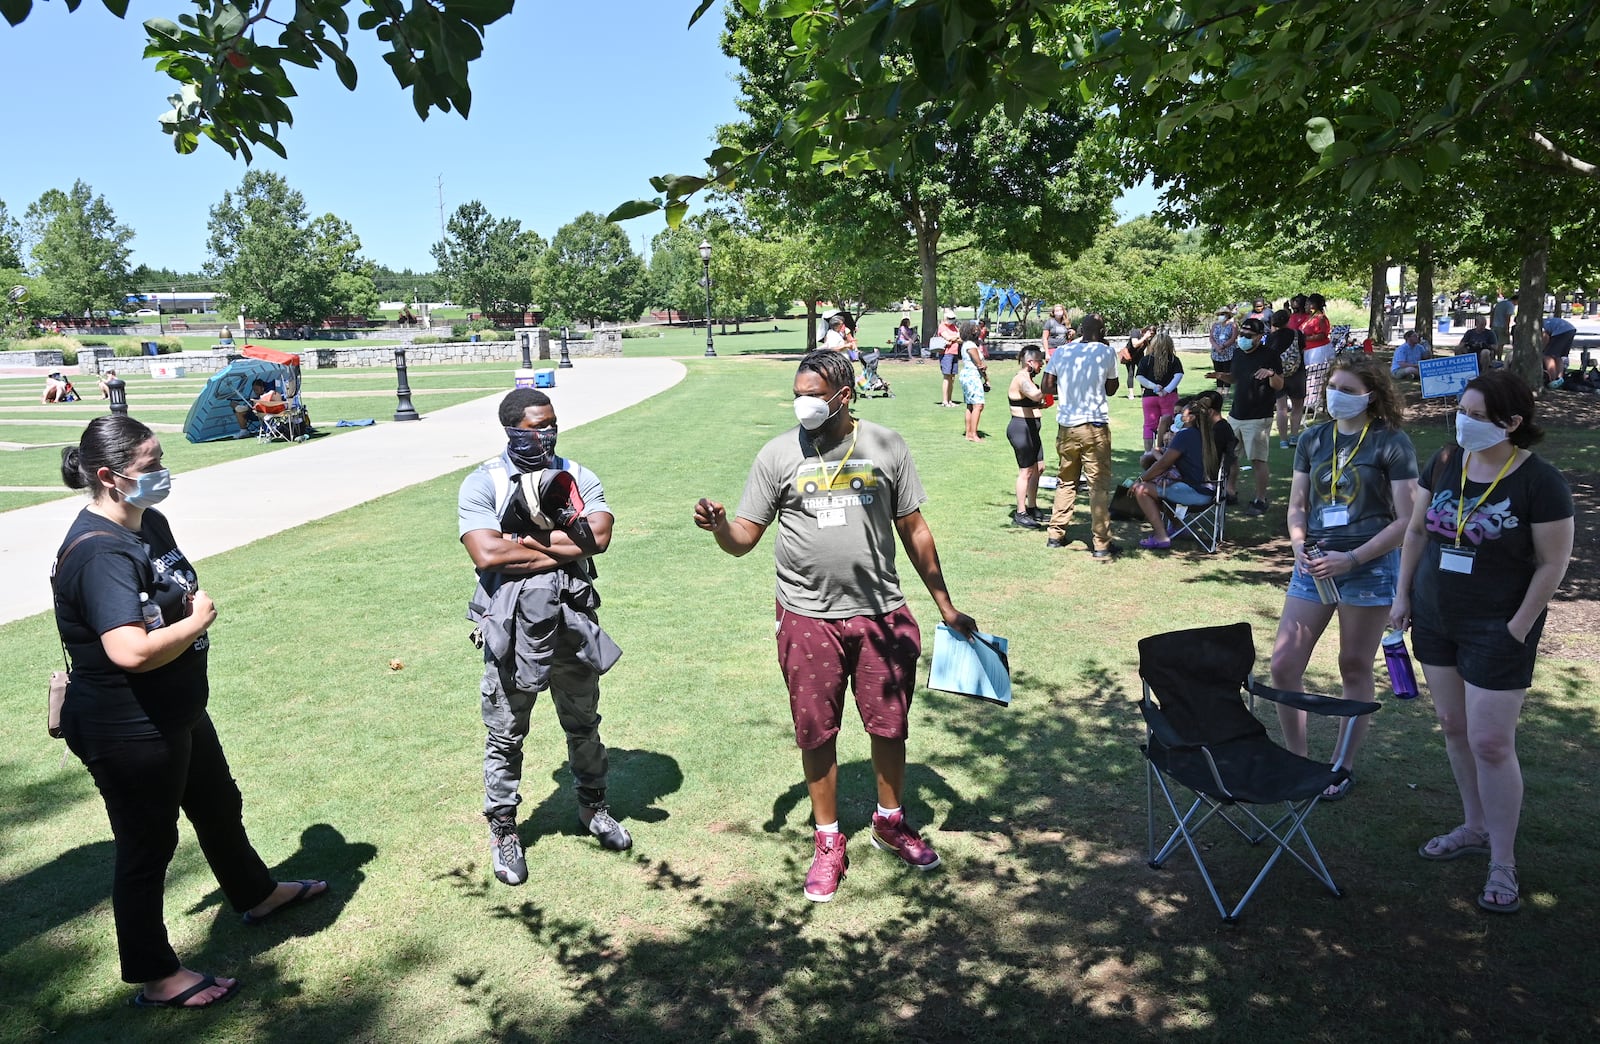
{"x":212,"y":416}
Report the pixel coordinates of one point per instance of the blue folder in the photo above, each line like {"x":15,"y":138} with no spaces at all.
{"x":977,"y":668}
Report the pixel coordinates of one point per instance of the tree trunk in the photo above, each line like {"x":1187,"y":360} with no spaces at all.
{"x":928,"y":260}
{"x":1526,"y":358}
{"x":811,"y":320}
{"x":1378,"y":290}
{"x":1424,"y":290}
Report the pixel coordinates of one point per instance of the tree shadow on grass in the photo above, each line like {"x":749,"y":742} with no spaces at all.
{"x":1045,"y":920}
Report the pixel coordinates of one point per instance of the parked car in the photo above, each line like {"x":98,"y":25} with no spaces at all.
{"x":146,"y":312}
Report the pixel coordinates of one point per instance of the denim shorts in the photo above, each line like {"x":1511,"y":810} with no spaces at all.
{"x":1480,"y":649}
{"x":948,"y":364}
{"x":1367,"y":585}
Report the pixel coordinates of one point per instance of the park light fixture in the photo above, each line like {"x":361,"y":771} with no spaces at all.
{"x":705,"y":263}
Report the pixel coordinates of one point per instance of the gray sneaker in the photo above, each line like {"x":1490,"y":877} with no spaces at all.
{"x":505,"y":851}
{"x":612,"y":835}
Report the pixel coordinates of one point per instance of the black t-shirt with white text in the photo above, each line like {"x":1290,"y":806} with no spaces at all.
{"x":97,"y":589}
{"x":1498,"y":531}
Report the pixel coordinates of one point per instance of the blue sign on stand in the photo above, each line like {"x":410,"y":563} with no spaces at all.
{"x":1447,"y":375}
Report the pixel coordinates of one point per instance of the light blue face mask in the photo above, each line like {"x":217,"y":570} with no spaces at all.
{"x":1247,"y":344}
{"x":149,"y":489}
{"x":1177,"y":423}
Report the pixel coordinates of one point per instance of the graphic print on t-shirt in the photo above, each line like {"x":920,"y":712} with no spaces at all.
{"x":1486,"y":522}
{"x":845,"y":484}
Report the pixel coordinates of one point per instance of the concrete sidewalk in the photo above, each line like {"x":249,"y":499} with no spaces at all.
{"x":229,"y":505}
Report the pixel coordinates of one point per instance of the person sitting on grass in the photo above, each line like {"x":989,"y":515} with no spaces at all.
{"x":55,"y":389}
{"x":1408,"y":355}
{"x":105,"y":383}
{"x":1193,"y":455}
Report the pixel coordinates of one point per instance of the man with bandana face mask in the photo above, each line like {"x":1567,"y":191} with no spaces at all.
{"x":503,"y":559}
{"x":840,"y":491}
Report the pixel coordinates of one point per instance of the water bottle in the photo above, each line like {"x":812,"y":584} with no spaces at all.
{"x":1402,"y":679}
{"x":151,"y":613}
{"x":1327,"y":590}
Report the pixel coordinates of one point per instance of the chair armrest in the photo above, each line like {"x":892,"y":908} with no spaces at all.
{"x":1312,"y":702}
{"x":1162,"y":729}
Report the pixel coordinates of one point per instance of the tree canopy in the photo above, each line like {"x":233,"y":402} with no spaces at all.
{"x":591,"y":273}
{"x":79,"y":248}
{"x":487,"y":261}
{"x":231,"y":59}
{"x":278,"y":266}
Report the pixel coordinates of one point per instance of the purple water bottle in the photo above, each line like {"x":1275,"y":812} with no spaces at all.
{"x":1402,"y":679}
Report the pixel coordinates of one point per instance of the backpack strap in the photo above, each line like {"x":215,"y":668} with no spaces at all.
{"x":55,"y":568}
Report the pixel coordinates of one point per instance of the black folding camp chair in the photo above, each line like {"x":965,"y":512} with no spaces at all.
{"x":1202,"y":736}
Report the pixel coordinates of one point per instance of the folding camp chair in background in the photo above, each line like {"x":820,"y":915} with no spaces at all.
{"x":1202,"y":736}
{"x":1205,"y":524}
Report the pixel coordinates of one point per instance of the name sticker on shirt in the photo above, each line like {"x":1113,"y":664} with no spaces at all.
{"x":1336,"y":514}
{"x":1456,"y":559}
{"x":830,"y":517}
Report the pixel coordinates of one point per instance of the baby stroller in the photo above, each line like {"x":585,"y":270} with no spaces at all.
{"x":871,"y":382}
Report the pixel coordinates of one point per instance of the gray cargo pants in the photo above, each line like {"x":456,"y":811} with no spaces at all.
{"x":575,"y":691}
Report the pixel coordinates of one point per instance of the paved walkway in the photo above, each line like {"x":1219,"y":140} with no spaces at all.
{"x":229,"y":505}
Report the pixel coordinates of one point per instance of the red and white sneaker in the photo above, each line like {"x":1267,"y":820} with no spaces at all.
{"x":827,"y":868}
{"x":894,"y":834}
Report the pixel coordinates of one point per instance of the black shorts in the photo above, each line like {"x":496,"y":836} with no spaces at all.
{"x":1480,"y":649}
{"x":1560,"y":345}
{"x":1294,"y":385}
{"x":1023,"y":434}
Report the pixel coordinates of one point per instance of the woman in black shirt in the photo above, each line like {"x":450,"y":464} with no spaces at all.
{"x":134,"y":621}
{"x":1488,"y":545}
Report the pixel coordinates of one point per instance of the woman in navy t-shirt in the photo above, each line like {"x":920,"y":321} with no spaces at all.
{"x":134,"y":621}
{"x":1182,"y":474}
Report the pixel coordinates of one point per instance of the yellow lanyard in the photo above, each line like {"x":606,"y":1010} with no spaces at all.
{"x":1333,"y":490}
{"x":826,"y":479}
{"x":1462,"y":511}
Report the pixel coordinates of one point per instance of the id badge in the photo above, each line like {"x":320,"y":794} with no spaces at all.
{"x":1335,"y":515}
{"x":827,"y":518}
{"x":1457,"y":559}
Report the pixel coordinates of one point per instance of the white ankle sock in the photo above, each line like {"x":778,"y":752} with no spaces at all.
{"x":828,"y":828}
{"x":887,"y":811}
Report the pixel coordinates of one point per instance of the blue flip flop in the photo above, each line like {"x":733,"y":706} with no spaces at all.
{"x":304,"y":894}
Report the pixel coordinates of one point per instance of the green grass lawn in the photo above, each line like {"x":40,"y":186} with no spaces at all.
{"x":330,"y":395}
{"x":1044,"y":923}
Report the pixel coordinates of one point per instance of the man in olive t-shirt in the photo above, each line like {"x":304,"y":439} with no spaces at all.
{"x":841,"y":491}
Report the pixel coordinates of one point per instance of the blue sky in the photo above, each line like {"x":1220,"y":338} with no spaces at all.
{"x":575,"y":107}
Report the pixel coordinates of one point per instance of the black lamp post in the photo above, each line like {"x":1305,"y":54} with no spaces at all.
{"x":705,"y":263}
{"x":117,"y":389}
{"x":404,"y":411}
{"x":526,"y":336}
{"x":566,"y":360}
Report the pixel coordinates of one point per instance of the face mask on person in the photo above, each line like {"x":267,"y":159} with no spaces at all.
{"x":1177,"y":424}
{"x":1475,"y":436}
{"x":1247,"y":344}
{"x":531,"y":449}
{"x":149,"y":489}
{"x":812,"y":411}
{"x":1342,"y":405}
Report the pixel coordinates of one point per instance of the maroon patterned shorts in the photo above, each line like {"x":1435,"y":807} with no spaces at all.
{"x":875,"y":655}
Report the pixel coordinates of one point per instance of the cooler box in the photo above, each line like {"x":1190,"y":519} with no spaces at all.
{"x":544,"y":379}
{"x":524,"y":379}
{"x":163,"y":371}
